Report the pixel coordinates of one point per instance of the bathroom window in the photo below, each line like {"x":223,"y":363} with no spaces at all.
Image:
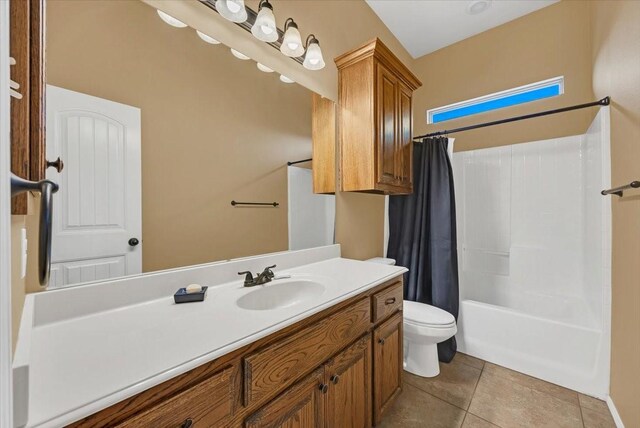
{"x":511,"y":97}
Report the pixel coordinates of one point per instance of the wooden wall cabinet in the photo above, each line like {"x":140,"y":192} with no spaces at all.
{"x":323,"y":137}
{"x":375,"y":120}
{"x":339,"y":368}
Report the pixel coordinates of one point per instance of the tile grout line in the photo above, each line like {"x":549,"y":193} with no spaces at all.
{"x":464,"y":419}
{"x":484,"y":364}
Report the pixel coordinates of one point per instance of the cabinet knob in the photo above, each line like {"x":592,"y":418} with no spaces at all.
{"x":381,"y":341}
{"x":187,"y":423}
{"x":390,"y":301}
{"x":335,"y":379}
{"x":324,"y":388}
{"x":57,"y":164}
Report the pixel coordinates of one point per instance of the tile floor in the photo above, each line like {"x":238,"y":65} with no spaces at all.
{"x":472,"y":393}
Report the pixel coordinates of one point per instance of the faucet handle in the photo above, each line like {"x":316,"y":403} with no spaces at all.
{"x":269,"y":272}
{"x":248,"y":276}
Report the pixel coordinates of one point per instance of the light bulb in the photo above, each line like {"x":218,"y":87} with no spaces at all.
{"x":285,"y":79}
{"x":207,"y":39}
{"x":239,"y":55}
{"x":233,"y":6}
{"x":265,"y":26}
{"x":291,"y":43}
{"x":171,"y":20}
{"x":233,"y":10}
{"x":264,"y":68}
{"x":313,"y":59}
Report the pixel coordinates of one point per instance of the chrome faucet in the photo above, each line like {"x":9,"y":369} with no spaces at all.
{"x":266,"y":276}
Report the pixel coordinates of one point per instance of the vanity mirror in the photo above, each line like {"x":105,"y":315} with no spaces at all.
{"x":159,"y":130}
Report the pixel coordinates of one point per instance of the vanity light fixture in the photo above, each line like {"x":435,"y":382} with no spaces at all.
{"x":239,"y":55}
{"x":264,"y":68}
{"x":285,"y":79}
{"x":291,"y":42}
{"x":233,"y":10}
{"x":207,"y":39}
{"x":313,"y":58}
{"x":171,"y":20}
{"x":265,"y":26}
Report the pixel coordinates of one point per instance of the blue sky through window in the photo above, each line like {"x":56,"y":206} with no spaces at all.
{"x":507,"y":100}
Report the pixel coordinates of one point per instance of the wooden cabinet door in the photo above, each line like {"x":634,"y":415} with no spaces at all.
{"x":208,"y":404}
{"x":404,"y":153}
{"x":301,"y":406}
{"x":349,"y":378}
{"x":386,"y":144}
{"x":387,"y":364}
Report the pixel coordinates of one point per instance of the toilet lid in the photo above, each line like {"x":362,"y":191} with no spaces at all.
{"x":421,"y":313}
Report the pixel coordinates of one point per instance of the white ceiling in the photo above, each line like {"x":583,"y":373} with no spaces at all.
{"x":424,"y":26}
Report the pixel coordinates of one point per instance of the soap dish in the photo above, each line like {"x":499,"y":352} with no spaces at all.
{"x":182,"y":296}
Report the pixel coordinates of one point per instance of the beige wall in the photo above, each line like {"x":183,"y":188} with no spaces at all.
{"x":17,"y":283}
{"x":551,"y":42}
{"x":616,"y":72}
{"x":213,"y":128}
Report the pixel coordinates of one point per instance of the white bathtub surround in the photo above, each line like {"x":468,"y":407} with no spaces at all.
{"x":534,"y":248}
{"x":82,"y":349}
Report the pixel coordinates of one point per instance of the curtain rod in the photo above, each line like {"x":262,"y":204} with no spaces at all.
{"x":603,"y":102}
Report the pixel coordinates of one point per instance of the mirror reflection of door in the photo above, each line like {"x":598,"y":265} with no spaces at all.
{"x":97,"y":211}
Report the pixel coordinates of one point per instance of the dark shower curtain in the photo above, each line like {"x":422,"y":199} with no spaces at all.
{"x":422,"y":234}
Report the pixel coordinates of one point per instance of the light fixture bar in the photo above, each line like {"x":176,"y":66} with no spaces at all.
{"x":246,"y":25}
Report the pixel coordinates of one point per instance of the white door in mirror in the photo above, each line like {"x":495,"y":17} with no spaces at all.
{"x":97,"y":221}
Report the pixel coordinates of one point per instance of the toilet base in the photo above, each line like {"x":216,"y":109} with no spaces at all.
{"x":421,"y":359}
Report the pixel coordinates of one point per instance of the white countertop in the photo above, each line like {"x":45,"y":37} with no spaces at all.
{"x":80,"y":365}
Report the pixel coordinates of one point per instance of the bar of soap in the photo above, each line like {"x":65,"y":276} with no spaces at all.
{"x":193,"y":288}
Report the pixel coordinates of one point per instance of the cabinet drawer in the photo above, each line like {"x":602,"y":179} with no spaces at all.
{"x":272,"y":369}
{"x":207,"y":404}
{"x":387,"y":301}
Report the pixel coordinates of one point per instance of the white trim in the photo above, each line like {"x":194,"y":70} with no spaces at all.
{"x":6,"y":381}
{"x":496,"y":95}
{"x":614,"y":412}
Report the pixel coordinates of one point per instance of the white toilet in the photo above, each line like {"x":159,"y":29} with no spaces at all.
{"x":424,"y":326}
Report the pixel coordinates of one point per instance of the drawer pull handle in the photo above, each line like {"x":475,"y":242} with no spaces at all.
{"x":187,"y":423}
{"x":335,"y":379}
{"x":324,"y":388}
{"x":390,"y":301}
{"x":381,"y":341}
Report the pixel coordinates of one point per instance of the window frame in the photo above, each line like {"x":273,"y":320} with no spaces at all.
{"x":543,"y":84}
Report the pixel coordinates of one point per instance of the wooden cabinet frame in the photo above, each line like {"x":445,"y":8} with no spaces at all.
{"x":27,"y":46}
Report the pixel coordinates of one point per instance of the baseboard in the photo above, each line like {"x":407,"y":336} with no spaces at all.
{"x":614,"y":412}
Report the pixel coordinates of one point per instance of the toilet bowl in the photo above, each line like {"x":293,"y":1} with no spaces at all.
{"x":424,"y":327}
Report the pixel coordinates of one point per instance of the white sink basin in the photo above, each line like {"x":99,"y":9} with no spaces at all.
{"x":280,"y":294}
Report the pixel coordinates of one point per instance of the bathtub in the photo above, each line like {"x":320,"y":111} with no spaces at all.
{"x":559,"y":352}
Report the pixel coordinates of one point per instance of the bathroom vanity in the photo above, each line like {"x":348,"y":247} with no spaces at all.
{"x":321,"y":348}
{"x":340,"y":367}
